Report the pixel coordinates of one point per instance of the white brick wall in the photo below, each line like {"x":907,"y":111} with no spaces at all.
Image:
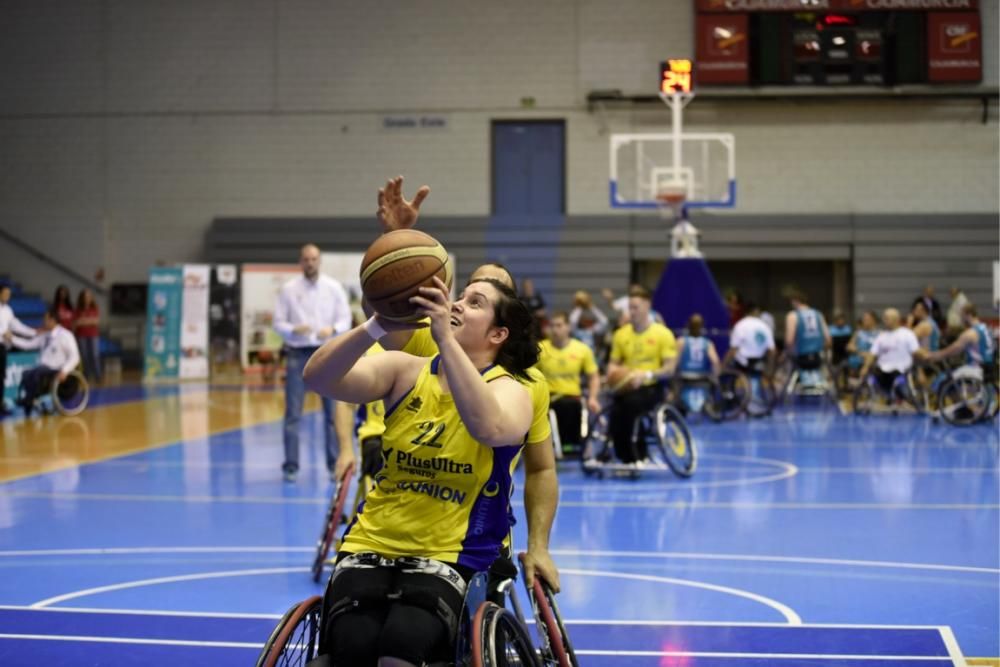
{"x":165,"y":115}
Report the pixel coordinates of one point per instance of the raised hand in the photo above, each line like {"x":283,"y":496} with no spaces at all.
{"x":394,"y":211}
{"x":435,"y":304}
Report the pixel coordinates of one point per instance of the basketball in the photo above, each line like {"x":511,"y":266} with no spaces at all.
{"x":396,"y":266}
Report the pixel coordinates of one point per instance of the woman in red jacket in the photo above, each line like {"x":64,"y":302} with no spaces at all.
{"x":87,"y":319}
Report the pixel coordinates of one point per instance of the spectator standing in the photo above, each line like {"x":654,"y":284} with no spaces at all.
{"x":63,"y":303}
{"x":87,"y":327}
{"x":311,"y":309}
{"x":958,"y":303}
{"x":932,"y":305}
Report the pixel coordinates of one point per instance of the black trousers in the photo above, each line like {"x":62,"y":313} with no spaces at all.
{"x":624,"y":411}
{"x":569,"y":411}
{"x":3,"y":371}
{"x":35,"y":382}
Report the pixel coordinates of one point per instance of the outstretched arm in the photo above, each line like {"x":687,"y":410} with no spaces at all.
{"x":394,"y":211}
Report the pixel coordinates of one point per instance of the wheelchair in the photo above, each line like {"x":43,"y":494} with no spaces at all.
{"x":964,"y":395}
{"x":68,"y":397}
{"x":870,"y":397}
{"x":489,"y":635}
{"x":817,"y":380}
{"x":663,"y":429}
{"x":562,"y":449}
{"x":719,"y":399}
{"x":334,"y":513}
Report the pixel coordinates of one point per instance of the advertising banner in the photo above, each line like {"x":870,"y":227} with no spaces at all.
{"x":259,"y":288}
{"x":954,"y":47}
{"x":721,"y":48}
{"x":194,"y":322}
{"x":163,"y":323}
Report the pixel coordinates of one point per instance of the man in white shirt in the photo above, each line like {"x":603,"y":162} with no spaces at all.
{"x":893,"y":351}
{"x":59,"y":357}
{"x":311,"y":309}
{"x":751,"y":343}
{"x":9,"y":326}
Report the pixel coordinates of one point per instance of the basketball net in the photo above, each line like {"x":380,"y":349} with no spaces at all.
{"x":670,"y":198}
{"x":684,"y":235}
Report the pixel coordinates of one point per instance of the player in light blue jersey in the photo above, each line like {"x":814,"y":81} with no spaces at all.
{"x":977,"y":342}
{"x":806,"y":337}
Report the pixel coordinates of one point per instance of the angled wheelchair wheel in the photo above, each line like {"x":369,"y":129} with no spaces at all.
{"x":963,"y":401}
{"x":295,"y":640}
{"x":731,"y":397}
{"x":864,"y":397}
{"x":70,"y":397}
{"x":332,"y":521}
{"x":500,"y":640}
{"x":673,"y":444}
{"x":597,"y":445}
{"x":761,"y":400}
{"x":556,"y":649}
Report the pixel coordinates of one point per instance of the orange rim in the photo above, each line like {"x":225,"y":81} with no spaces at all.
{"x":286,"y":631}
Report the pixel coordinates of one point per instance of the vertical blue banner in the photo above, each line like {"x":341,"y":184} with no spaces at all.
{"x":163,"y":323}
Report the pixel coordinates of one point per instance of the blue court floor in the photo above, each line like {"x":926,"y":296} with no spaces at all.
{"x":808,"y":538}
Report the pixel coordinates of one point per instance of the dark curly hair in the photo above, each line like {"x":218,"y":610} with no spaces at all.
{"x":520,"y":351}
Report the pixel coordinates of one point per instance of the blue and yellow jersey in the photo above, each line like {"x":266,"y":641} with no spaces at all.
{"x":809,"y":337}
{"x":371,"y":413}
{"x":562,"y":367}
{"x":646,"y":351}
{"x":421,"y":344}
{"x":694,"y":355}
{"x":983,"y":352}
{"x":440,"y":493}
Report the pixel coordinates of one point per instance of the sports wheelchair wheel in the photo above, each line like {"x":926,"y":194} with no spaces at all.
{"x":761,"y":401}
{"x":70,"y":397}
{"x":556,"y":648}
{"x":295,"y":640}
{"x":730,"y":398}
{"x":963,"y":401}
{"x":333,"y":514}
{"x":672,"y":443}
{"x":597,"y":444}
{"x":500,"y":640}
{"x":864,"y":397}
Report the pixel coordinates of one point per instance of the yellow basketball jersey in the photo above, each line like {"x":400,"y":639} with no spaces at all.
{"x":646,"y":351}
{"x":440,"y":494}
{"x":421,"y":344}
{"x":373,"y":424}
{"x":562,"y":367}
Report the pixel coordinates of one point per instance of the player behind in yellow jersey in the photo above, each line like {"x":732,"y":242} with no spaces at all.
{"x":370,"y":433}
{"x":439,"y":511}
{"x":643,"y":352}
{"x":541,"y":487}
{"x":562,"y":361}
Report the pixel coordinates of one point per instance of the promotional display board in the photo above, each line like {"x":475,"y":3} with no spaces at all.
{"x":163,"y":323}
{"x":224,"y":314}
{"x":259,"y":288}
{"x":194,"y":322}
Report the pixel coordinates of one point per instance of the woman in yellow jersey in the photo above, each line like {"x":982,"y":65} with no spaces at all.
{"x":454,"y":427}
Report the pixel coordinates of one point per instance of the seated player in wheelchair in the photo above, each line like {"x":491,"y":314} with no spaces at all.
{"x":891,"y":355}
{"x":861,"y":344}
{"x":563,"y":360}
{"x":439,"y":510}
{"x":806,"y":339}
{"x":697,"y":365}
{"x":59,"y":358}
{"x":976,"y":342}
{"x":643,"y":353}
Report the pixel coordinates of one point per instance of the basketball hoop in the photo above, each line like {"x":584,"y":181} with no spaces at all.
{"x":670,"y":198}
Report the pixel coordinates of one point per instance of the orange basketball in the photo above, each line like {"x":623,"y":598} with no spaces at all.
{"x":398,"y":264}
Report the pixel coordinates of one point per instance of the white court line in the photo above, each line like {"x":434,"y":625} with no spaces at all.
{"x":556,"y":552}
{"x":134,"y":640}
{"x":570,"y":621}
{"x":275,"y":500}
{"x":165,"y":580}
{"x":790,"y":470}
{"x":670,"y":654}
{"x":770,"y":656}
{"x":790,"y":616}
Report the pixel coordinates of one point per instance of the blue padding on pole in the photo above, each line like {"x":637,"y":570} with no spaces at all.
{"x":687,"y":287}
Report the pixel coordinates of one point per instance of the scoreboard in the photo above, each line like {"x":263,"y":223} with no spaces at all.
{"x":837,"y":42}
